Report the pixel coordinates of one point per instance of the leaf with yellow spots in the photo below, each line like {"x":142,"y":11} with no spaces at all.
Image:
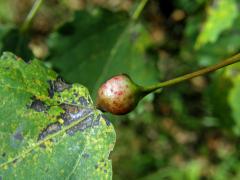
{"x":49,"y":129}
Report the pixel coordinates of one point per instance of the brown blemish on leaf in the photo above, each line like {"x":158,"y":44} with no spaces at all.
{"x":18,"y":136}
{"x":72,"y":113}
{"x":50,"y":129}
{"x":15,"y":161}
{"x":134,"y":36}
{"x":59,"y":85}
{"x":83,"y":101}
{"x":86,"y":123}
{"x":38,"y":105}
{"x":51,"y":89}
{"x":86,"y":156}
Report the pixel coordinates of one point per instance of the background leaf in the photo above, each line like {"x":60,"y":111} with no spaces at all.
{"x":118,"y":46}
{"x":49,"y":129}
{"x":221,"y":15}
{"x":234,"y":95}
{"x":18,"y":43}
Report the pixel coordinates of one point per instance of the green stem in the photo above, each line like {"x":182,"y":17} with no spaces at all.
{"x":226,"y":62}
{"x":26,"y":24}
{"x":139,"y":9}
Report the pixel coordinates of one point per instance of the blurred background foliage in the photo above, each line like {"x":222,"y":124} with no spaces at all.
{"x":188,"y":131}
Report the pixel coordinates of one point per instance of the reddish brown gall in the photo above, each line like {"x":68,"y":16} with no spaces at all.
{"x":118,"y":95}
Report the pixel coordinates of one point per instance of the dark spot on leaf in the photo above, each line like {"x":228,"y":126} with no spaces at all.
{"x":15,"y":161}
{"x":134,"y":36}
{"x":96,"y":166}
{"x":85,"y":155}
{"x":105,"y":171}
{"x":73,"y":113}
{"x":108,"y":123}
{"x":86,"y":123}
{"x":97,"y":121}
{"x":83,"y":101}
{"x":18,"y":136}
{"x":60,"y":85}
{"x":75,"y":93}
{"x":51,"y":89}
{"x":4,"y":154}
{"x":74,"y":102}
{"x":42,"y":146}
{"x":38,"y":105}
{"x":50,"y":129}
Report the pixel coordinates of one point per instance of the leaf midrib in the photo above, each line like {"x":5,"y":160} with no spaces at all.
{"x":109,"y":60}
{"x":27,"y":151}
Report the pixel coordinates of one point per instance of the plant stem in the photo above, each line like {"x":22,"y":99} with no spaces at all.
{"x":26,"y":24}
{"x":139,"y":9}
{"x":226,"y":62}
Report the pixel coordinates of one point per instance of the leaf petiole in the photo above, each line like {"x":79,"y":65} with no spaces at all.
{"x":226,"y":62}
{"x":27,"y":22}
{"x":139,"y":9}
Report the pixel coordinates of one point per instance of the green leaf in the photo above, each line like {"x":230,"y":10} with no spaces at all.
{"x":189,"y":6}
{"x":223,"y":96}
{"x":99,"y":44}
{"x":49,"y":129}
{"x":226,"y":45}
{"x":216,"y":96}
{"x":233,"y":73}
{"x":221,"y":15}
